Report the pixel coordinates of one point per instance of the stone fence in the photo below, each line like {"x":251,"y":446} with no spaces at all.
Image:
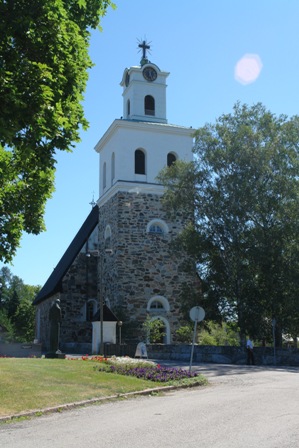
{"x":176,"y":352}
{"x":20,"y":350}
{"x":210,"y":354}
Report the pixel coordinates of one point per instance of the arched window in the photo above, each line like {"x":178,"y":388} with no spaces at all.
{"x":171,"y":158}
{"x":107,"y":233}
{"x":104,"y":176}
{"x":107,"y":236}
{"x":128,"y":108}
{"x":91,"y":308}
{"x":156,"y":305}
{"x":149,"y":105}
{"x":157,"y":226}
{"x":139,"y":162}
{"x":112,"y":167}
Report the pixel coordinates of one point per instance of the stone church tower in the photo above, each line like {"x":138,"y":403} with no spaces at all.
{"x":138,"y":272}
{"x":120,"y":265}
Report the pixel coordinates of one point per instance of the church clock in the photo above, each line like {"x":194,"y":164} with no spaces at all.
{"x":149,"y":73}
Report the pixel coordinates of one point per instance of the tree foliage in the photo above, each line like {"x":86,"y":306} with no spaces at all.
{"x":17,"y":314}
{"x":43,"y":73}
{"x":243,"y":189}
{"x":218,"y":334}
{"x":153,"y":330}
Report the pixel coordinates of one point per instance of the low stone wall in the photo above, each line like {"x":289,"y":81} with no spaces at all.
{"x":224,"y":355}
{"x":20,"y":350}
{"x":202,"y":353}
{"x":209,"y":354}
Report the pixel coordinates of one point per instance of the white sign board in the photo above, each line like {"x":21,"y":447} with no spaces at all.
{"x":141,"y":351}
{"x":197,"y":314}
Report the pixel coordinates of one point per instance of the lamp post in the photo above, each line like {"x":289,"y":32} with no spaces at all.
{"x":101,"y":303}
{"x":119,"y":323}
{"x":100,"y":264}
{"x":100,"y":288}
{"x":101,"y":274}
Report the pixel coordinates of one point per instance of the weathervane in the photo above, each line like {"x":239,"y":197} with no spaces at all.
{"x":144,"y":46}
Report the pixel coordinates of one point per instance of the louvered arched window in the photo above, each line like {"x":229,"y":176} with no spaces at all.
{"x":139,"y":162}
{"x":149,"y":105}
{"x":171,"y":158}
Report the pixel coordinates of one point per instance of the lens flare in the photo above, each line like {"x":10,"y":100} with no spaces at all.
{"x":248,"y":69}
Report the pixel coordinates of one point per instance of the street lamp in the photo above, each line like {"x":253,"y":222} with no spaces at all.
{"x":96,"y":254}
{"x":100,"y":289}
{"x":100,"y":293}
{"x":119,"y":323}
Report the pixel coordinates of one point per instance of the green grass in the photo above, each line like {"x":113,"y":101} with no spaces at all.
{"x":28,"y":384}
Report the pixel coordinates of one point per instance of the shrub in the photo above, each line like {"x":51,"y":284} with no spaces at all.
{"x":185,"y":334}
{"x":153,"y":330}
{"x":219,"y":334}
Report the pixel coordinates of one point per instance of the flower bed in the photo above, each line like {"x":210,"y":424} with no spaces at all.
{"x":152,"y":373}
{"x":139,"y":368}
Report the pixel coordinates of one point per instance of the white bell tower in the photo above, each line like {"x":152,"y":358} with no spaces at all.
{"x":144,"y":91}
{"x":138,"y":146}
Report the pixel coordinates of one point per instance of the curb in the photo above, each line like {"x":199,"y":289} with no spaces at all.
{"x":77,"y":404}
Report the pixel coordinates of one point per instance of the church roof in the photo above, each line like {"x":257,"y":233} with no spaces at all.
{"x":108,"y":315}
{"x":53,"y":284}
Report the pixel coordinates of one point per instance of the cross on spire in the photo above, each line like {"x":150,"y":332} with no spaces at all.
{"x":144,"y":46}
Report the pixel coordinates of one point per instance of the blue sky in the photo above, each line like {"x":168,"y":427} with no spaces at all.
{"x":200,"y":42}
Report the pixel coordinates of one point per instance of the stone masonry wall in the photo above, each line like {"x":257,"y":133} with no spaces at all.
{"x":138,"y":266}
{"x":141,"y":264}
{"x":78,"y":286}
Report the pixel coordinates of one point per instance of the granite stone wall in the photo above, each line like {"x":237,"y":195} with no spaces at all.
{"x":79,"y":285}
{"x":264,"y":356}
{"x":133,"y":266}
{"x":142,"y":264}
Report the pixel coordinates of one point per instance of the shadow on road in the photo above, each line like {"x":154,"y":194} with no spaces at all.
{"x":213,"y":370}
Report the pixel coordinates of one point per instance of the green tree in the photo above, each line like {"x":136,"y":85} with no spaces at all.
{"x":24,"y":320}
{"x":153,"y":330}
{"x":243,"y":191}
{"x":44,"y":66}
{"x":184,"y":334}
{"x":17,"y":314}
{"x":7,"y":326}
{"x":218,"y":334}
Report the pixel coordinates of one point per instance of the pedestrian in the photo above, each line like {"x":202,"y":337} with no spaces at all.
{"x":250,"y":356}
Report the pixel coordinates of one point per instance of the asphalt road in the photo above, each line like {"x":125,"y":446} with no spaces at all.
{"x":248,"y":407}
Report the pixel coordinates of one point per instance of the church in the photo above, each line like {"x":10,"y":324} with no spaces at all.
{"x":120,"y":268}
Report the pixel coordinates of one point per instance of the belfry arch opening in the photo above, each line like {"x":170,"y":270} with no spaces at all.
{"x":139,"y":162}
{"x":149,"y":105}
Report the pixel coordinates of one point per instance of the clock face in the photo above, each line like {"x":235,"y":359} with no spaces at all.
{"x":149,"y":73}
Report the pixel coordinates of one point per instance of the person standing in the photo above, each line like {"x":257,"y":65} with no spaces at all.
{"x":250,"y":356}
